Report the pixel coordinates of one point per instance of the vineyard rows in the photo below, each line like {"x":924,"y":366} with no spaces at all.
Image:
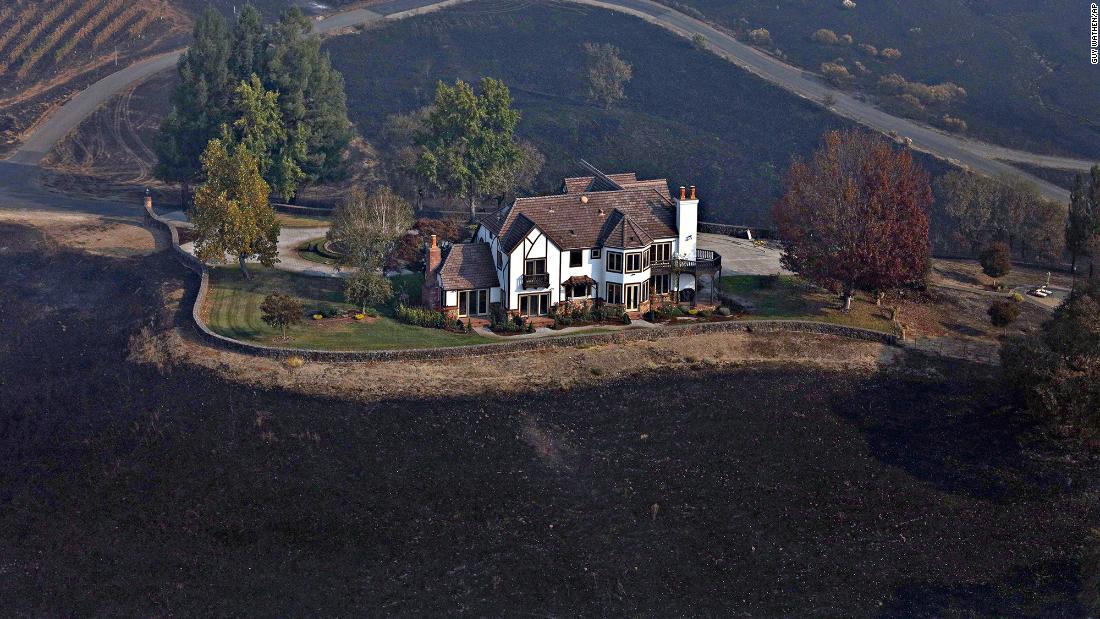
{"x":32,"y":31}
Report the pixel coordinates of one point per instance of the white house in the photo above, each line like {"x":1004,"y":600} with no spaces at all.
{"x":607,"y":237}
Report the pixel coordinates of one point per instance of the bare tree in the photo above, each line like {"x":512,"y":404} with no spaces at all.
{"x":365,"y":227}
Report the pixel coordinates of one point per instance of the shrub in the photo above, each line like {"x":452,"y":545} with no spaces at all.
{"x":724,"y":311}
{"x":1003,"y":312}
{"x":955,"y":124}
{"x":625,"y":318}
{"x":868,"y":49}
{"x":836,"y":73}
{"x":699,"y":41}
{"x":420,"y":316}
{"x":294,"y":362}
{"x":891,"y":53}
{"x":760,"y":36}
{"x":825,"y":37}
{"x":846,"y":39}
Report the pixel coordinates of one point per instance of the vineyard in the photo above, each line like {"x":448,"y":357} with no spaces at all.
{"x":52,"y":48}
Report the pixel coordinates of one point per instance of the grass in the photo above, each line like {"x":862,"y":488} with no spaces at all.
{"x":287,"y":220}
{"x":791,"y":297}
{"x":234,"y":311}
{"x":306,"y":251}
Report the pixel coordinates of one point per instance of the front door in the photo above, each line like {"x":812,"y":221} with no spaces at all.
{"x":631,"y":296}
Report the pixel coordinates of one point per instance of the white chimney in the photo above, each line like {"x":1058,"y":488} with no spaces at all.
{"x":687,"y":222}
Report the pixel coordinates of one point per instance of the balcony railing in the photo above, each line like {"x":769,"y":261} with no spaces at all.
{"x":537,"y":280}
{"x":705,"y":260}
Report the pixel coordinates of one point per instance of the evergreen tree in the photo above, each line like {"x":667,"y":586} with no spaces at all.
{"x":287,"y":59}
{"x":1083,"y":222}
{"x":311,"y":95}
{"x":468,"y":142}
{"x":259,"y":128}
{"x":246,"y":55}
{"x":199,"y":102}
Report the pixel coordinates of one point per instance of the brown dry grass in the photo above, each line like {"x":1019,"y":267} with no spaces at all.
{"x":563,"y":368}
{"x":88,"y":233}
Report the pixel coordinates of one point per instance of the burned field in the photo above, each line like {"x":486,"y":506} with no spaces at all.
{"x":765,"y":490}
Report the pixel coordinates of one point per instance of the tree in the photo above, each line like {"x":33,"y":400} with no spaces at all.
{"x":1057,"y":372}
{"x":468,"y":141}
{"x":231,"y":212}
{"x":248,"y":44}
{"x":287,"y":59}
{"x":400,"y":154}
{"x":280,"y":311}
{"x":969,"y":202}
{"x":520,"y":176}
{"x":368,"y":287}
{"x":607,"y":74}
{"x":996,"y":261}
{"x":1003,"y":312}
{"x":198,"y":103}
{"x":1008,"y":208}
{"x":365,"y":227}
{"x":1083,"y":221}
{"x":259,"y":128}
{"x":311,"y":95}
{"x":855,"y":216}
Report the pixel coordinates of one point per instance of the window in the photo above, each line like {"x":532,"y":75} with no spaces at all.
{"x":614,"y":293}
{"x":575,"y":258}
{"x":577,"y":291}
{"x":595,"y":254}
{"x":660,"y":252}
{"x":500,"y":261}
{"x":534,"y":266}
{"x":661,"y":283}
{"x":614,"y":262}
{"x":534,"y":304}
{"x":645,"y":291}
{"x":637,"y":262}
{"x":473,"y":302}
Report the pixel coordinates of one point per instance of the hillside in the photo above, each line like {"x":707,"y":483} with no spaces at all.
{"x":689,"y":115}
{"x":53,"y":48}
{"x":1024,"y":65}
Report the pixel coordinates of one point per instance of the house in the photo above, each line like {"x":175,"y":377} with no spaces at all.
{"x":604,"y":238}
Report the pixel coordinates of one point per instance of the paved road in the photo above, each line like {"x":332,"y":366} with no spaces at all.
{"x":975,"y":155}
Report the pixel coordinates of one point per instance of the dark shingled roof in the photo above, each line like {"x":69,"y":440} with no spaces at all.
{"x":467,"y":266}
{"x":625,"y":218}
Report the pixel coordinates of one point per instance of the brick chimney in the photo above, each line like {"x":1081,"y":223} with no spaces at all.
{"x":148,"y":200}
{"x":429,"y":292}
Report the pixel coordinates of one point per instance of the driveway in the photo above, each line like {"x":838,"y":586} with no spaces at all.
{"x":741,"y":256}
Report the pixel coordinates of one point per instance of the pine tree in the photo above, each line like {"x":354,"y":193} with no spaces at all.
{"x":199,"y":102}
{"x":311,"y":95}
{"x":247,"y":50}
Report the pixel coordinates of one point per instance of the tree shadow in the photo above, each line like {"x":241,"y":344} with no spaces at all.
{"x":1045,"y":589}
{"x":961,"y":432}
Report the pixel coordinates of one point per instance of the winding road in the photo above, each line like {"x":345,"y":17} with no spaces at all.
{"x":978,"y":156}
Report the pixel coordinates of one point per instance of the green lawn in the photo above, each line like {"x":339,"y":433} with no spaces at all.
{"x":287,"y":220}
{"x":234,"y":311}
{"x":791,"y":297}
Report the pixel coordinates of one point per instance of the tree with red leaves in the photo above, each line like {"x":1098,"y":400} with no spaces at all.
{"x":855,"y":217}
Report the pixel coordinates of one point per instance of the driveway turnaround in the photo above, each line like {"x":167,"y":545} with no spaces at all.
{"x":978,"y":156}
{"x":742,"y":257}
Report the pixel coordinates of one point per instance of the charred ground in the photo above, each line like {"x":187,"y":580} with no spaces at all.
{"x":129,"y":489}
